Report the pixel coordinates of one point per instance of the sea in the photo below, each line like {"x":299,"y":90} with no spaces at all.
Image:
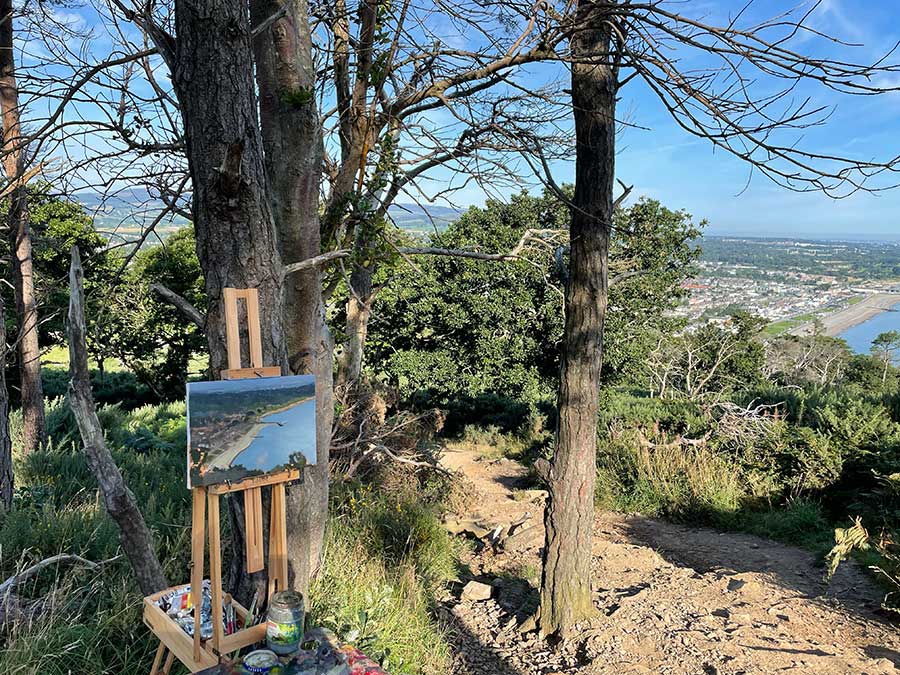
{"x":292,"y":430}
{"x":860,"y":336}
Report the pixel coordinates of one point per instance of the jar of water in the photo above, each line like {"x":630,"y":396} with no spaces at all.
{"x":285,"y":622}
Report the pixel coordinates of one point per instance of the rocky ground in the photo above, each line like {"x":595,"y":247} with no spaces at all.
{"x":670,"y":599}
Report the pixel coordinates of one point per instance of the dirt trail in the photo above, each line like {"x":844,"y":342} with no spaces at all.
{"x":672,"y":599}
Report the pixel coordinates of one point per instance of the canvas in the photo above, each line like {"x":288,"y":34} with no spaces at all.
{"x":239,"y":429}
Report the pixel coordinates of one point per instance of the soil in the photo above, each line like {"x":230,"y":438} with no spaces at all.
{"x":670,"y":598}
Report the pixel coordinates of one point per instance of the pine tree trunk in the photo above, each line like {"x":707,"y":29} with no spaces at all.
{"x":29,"y":353}
{"x":236,"y":239}
{"x":566,"y":596}
{"x":6,"y":467}
{"x":237,"y":244}
{"x":292,"y":140}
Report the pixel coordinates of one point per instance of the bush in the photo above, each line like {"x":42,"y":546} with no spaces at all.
{"x":386,"y":555}
{"x":119,"y":387}
{"x":672,"y":481}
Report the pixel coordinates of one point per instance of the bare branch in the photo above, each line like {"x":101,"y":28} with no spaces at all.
{"x":186,"y":309}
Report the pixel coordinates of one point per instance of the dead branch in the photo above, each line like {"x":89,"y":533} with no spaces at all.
{"x":20,"y":577}
{"x":317,"y":261}
{"x":186,"y":309}
{"x":531,"y":235}
{"x":434,"y":466}
{"x":137,"y":541}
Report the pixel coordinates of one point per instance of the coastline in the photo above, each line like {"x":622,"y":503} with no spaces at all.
{"x":227,"y":457}
{"x":837,"y":322}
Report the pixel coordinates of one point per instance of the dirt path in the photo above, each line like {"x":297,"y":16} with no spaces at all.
{"x":672,"y":599}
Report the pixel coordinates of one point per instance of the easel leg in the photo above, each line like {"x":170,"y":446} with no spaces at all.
{"x":253,"y":529}
{"x":278,"y":541}
{"x":157,"y":661}
{"x":198,"y":541}
{"x":170,"y":659}
{"x":215,"y":569}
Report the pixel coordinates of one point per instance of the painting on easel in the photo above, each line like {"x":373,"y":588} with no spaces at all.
{"x":239,"y":429}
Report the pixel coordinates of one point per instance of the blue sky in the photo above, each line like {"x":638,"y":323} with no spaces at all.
{"x":683,"y":171}
{"x":664,"y":162}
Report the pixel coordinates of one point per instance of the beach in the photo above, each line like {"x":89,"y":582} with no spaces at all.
{"x":837,"y":322}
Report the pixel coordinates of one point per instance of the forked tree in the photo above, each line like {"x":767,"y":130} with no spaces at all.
{"x":721,"y":97}
{"x":391,"y":76}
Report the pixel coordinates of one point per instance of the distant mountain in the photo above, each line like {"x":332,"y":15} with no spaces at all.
{"x":416,"y":218}
{"x":123,"y":213}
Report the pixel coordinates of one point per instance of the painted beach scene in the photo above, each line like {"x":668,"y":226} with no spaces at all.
{"x":239,"y":429}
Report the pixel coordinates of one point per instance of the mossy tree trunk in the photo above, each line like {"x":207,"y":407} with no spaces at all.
{"x":292,"y":140}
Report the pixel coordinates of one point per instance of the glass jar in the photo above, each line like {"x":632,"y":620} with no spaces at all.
{"x":284,"y":627}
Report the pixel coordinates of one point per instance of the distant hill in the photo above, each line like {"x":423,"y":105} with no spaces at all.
{"x":415,"y":218}
{"x":122,"y":215}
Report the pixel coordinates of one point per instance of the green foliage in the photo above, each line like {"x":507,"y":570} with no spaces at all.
{"x":150,"y":336}
{"x":94,"y":626}
{"x":56,"y":226}
{"x":299,"y":97}
{"x":120,"y":387}
{"x":459,"y":327}
{"x":386,"y":554}
{"x":810,"y":456}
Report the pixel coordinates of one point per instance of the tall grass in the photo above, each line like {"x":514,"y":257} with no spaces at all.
{"x":667,"y":480}
{"x":703,"y":485}
{"x":384,"y":560}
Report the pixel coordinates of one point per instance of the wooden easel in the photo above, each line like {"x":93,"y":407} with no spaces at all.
{"x":198,"y":654}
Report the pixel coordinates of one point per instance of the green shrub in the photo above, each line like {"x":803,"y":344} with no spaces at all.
{"x":119,"y":387}
{"x":386,"y":554}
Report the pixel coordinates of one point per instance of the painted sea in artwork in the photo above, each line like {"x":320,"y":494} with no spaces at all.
{"x":239,"y":429}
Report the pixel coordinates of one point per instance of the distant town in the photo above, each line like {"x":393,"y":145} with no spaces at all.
{"x":793,"y":284}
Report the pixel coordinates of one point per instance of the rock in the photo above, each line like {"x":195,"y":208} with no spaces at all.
{"x":736,"y":584}
{"x":476,"y":591}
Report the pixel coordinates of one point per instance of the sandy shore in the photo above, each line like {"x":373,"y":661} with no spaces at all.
{"x":224,"y":459}
{"x":836,"y":323}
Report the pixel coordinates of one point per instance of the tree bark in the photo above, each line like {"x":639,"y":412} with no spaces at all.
{"x":29,"y":354}
{"x":119,"y":501}
{"x":6,"y":467}
{"x":233,"y":220}
{"x":566,"y":595}
{"x":237,"y":245}
{"x":292,"y":139}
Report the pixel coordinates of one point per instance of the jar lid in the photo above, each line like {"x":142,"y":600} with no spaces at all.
{"x":260,"y":661}
{"x":287,"y":599}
